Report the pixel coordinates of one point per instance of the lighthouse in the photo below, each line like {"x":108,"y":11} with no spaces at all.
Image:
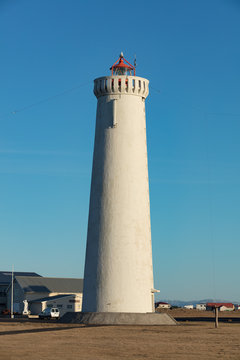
{"x":118,"y":275}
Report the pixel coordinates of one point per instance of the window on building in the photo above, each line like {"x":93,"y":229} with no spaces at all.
{"x":69,"y":306}
{"x":59,"y":306}
{"x":49,"y":305}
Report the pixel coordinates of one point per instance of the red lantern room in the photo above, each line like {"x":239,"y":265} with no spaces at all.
{"x":122,"y":67}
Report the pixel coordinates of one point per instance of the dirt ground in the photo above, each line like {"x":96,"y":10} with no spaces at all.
{"x":199,"y":313}
{"x":38,"y":340}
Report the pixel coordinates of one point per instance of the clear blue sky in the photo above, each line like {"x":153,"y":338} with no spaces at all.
{"x":189,"y":50}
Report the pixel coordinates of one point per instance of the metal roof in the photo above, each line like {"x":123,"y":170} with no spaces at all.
{"x":48,"y":298}
{"x":6,"y":276}
{"x":228,"y":305}
{"x":49,"y":284}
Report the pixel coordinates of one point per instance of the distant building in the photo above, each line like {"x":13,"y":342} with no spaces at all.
{"x":221,"y":306}
{"x":5,"y":281}
{"x":36,"y":293}
{"x":65,"y":303}
{"x":189,"y":307}
{"x":162,"y":305}
{"x":200,"y":306}
{"x":226,"y":308}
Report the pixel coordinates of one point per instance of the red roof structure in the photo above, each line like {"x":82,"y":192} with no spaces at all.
{"x":228,"y":305}
{"x":162,"y":303}
{"x":122,"y":68}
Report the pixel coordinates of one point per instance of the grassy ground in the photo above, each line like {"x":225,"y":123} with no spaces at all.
{"x":199,"y":313}
{"x":50,"y":340}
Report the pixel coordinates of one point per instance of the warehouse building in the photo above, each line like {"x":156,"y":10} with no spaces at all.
{"x":5,"y":281}
{"x":34,"y":294}
{"x":65,"y":303}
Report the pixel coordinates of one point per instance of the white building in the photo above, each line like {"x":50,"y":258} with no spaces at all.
{"x":226,"y":308}
{"x":220,"y":306}
{"x":162,"y":305}
{"x":65,"y":303}
{"x":38,"y":291}
{"x":189,"y":307}
{"x":200,"y":306}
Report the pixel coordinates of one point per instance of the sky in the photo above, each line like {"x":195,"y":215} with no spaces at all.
{"x":51,"y":51}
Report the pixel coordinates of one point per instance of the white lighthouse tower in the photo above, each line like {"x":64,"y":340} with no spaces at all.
{"x":118,"y":278}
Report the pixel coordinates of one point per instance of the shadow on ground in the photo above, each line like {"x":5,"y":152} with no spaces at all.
{"x":38,"y":330}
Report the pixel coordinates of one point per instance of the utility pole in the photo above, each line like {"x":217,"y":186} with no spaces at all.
{"x":216,"y":317}
{"x":12,"y":315}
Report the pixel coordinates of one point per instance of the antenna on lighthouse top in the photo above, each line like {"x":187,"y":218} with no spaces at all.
{"x":135,"y":61}
{"x":122,"y":67}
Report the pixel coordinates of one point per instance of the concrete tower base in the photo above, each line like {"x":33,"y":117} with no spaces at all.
{"x":117,"y":318}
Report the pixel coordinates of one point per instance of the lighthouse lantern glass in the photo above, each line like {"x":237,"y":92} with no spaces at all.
{"x":122,"y":71}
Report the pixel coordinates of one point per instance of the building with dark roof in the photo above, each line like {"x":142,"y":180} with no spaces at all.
{"x":65,"y":303}
{"x":35,"y":290}
{"x":5,"y":281}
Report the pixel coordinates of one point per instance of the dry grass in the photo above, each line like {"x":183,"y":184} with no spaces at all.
{"x":199,"y":313}
{"x":51,"y":341}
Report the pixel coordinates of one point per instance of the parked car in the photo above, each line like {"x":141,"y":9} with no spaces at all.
{"x":49,"y":313}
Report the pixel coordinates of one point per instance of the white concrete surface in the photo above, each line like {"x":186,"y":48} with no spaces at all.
{"x":119,"y":318}
{"x":118,"y":267}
